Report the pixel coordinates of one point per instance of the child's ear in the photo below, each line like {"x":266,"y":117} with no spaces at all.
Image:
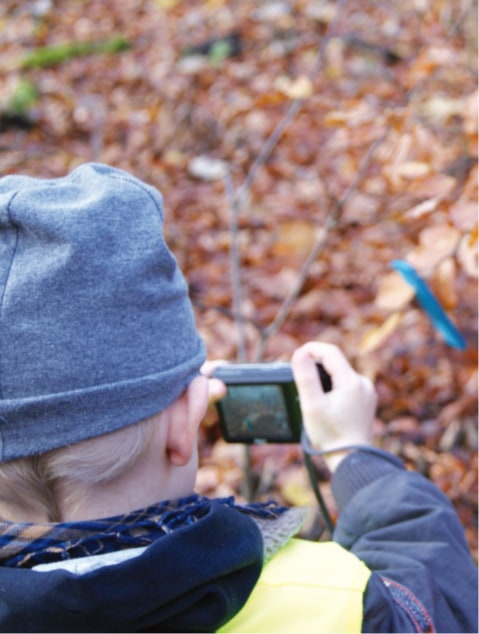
{"x":184,"y":418}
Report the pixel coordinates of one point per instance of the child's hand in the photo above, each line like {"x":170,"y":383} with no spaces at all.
{"x":338,"y":418}
{"x":216,"y":388}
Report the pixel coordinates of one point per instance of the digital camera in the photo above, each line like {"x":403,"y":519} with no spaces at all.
{"x":261,"y":404}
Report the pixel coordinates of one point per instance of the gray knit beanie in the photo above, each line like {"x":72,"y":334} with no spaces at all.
{"x":96,"y":327}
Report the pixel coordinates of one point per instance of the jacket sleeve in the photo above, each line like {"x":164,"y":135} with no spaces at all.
{"x":407,"y":532}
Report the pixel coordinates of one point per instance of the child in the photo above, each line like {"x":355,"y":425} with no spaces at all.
{"x":101,"y":399}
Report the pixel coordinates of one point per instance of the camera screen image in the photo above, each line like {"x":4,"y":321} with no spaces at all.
{"x":256,"y":412}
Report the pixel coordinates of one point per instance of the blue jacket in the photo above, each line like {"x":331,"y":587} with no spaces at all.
{"x":198,"y":576}
{"x":408,"y":534}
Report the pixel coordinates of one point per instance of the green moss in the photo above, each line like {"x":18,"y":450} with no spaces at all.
{"x":23,"y":97}
{"x":51,"y":55}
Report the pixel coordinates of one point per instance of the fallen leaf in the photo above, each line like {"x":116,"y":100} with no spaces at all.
{"x":444,"y":283}
{"x":207,"y":169}
{"x":269,"y":99}
{"x":376,"y":337}
{"x":470,"y":114}
{"x":294,"y":236}
{"x":413,"y":169}
{"x":441,"y":107}
{"x":440,"y":185}
{"x":356,"y":114}
{"x":467,"y":253}
{"x":436,"y":243}
{"x":463,"y":214}
{"x":423,"y":209}
{"x":300,"y":88}
{"x":394,"y":292}
{"x":166,"y":5}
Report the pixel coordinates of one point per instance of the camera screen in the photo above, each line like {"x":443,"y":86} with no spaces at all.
{"x":256,"y":412}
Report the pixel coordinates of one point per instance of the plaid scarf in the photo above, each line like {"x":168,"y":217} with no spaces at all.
{"x":24,"y":545}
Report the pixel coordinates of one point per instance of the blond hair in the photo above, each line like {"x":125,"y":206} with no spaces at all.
{"x":30,"y":487}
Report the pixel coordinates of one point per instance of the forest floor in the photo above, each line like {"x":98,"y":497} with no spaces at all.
{"x":301,"y":146}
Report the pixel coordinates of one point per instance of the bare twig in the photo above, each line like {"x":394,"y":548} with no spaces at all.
{"x":267,"y":150}
{"x":332,"y":219}
{"x":236,"y":269}
{"x":247,"y":484}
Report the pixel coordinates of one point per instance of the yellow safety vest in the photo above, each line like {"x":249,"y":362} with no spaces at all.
{"x":306,"y":587}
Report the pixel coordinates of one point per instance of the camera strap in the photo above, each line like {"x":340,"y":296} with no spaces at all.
{"x":309,"y":452}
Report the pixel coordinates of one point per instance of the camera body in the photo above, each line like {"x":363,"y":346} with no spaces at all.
{"x":261,"y":405}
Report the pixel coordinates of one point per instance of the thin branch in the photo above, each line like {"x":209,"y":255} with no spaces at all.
{"x":332,"y":220}
{"x":235,"y":264}
{"x":267,"y":150}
